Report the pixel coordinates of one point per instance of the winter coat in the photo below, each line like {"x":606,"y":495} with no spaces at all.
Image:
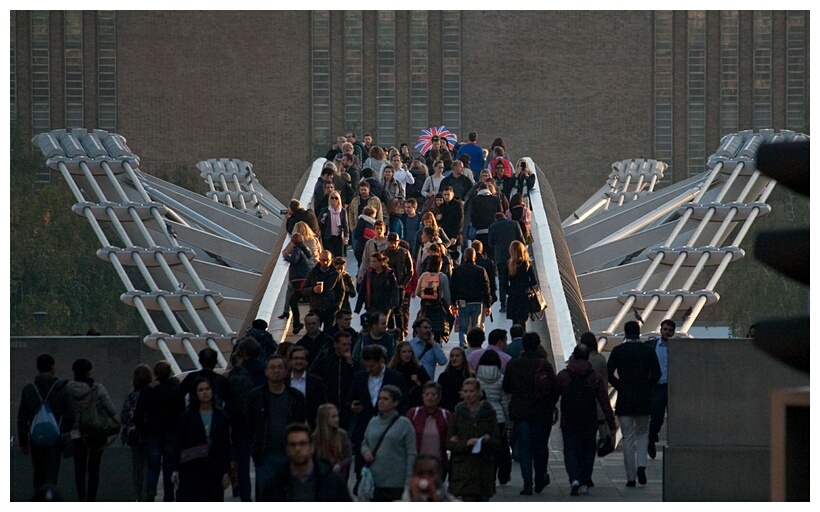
{"x":300,"y":262}
{"x":302,"y":215}
{"x":470,"y":283}
{"x":408,"y":369}
{"x":519,"y":382}
{"x":418,"y":417}
{"x":638,"y":370}
{"x":378,"y":297}
{"x":331,"y":297}
{"x":518,"y":306}
{"x":353,"y":211}
{"x":80,"y":393}
{"x":451,"y":381}
{"x":159,"y":409}
{"x":472,"y":473}
{"x":491,"y":379}
{"x":327,"y":231}
{"x":258,"y":416}
{"x":580,"y":368}
{"x":201,"y":480}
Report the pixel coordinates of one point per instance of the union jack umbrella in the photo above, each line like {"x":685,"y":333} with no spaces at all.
{"x":425,"y":141}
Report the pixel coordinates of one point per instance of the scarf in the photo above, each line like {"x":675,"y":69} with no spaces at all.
{"x":335,"y":220}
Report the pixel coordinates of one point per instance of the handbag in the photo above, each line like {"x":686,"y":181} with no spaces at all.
{"x":367,"y":486}
{"x":395,"y":206}
{"x":198,"y":452}
{"x":535,"y":299}
{"x":95,"y":420}
{"x":297,"y":285}
{"x":605,"y":446}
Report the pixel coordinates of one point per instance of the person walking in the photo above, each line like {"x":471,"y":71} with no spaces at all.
{"x":472,"y":437}
{"x":389,"y":446}
{"x":453,"y":377}
{"x":489,"y":375}
{"x":204,"y":456}
{"x":48,"y":389}
{"x":633,"y":370}
{"x":159,"y":409}
{"x":140,"y":380}
{"x":582,"y":392}
{"x":88,"y":446}
{"x":531,"y":411}
{"x":660,"y":391}
{"x":521,"y":276}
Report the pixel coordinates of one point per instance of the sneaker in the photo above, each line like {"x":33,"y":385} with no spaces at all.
{"x":297,"y":328}
{"x":526,"y":492}
{"x":630,"y":483}
{"x":651,"y":450}
{"x":575,"y":488}
{"x":584,"y":490}
{"x":642,"y":476}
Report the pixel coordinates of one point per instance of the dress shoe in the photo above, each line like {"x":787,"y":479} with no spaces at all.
{"x":283,"y":316}
{"x":642,"y":476}
{"x":630,"y":483}
{"x":297,"y":328}
{"x":539,"y":486}
{"x":526,"y":492}
{"x":651,"y":450}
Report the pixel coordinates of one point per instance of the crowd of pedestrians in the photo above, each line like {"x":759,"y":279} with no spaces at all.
{"x":368,"y":401}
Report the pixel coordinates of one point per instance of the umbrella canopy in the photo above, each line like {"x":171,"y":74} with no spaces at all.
{"x":425,"y":141}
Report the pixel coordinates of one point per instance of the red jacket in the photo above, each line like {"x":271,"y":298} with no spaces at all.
{"x":418,"y":417}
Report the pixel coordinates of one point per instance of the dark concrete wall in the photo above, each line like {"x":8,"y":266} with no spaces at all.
{"x":719,"y":430}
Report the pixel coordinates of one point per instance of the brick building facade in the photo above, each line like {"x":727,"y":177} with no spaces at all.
{"x":574,"y":90}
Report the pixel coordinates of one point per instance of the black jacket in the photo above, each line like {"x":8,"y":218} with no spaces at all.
{"x":315,"y":395}
{"x":302,"y":215}
{"x":483,"y":209}
{"x":337,"y":376}
{"x":258,"y":415}
{"x":638,"y":370}
{"x":331,"y":298}
{"x":471,"y":284}
{"x":360,"y":392}
{"x":500,"y":235}
{"x":519,"y":382}
{"x":329,"y":486}
{"x":489,"y":266}
{"x":201,"y":480}
{"x":159,"y":409}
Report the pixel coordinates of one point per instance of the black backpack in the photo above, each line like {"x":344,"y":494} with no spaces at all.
{"x":578,"y":402}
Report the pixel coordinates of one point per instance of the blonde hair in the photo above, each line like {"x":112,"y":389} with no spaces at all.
{"x":518,"y":255}
{"x":430,"y":216}
{"x":347,"y":147}
{"x":303,"y":229}
{"x":327,"y":439}
{"x":396,"y":359}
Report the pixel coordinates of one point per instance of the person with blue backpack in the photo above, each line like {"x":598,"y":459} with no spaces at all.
{"x":45,"y":414}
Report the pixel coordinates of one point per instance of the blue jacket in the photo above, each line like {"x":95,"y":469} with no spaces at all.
{"x":476,"y":155}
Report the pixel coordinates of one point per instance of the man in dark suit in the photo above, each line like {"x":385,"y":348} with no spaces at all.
{"x":312,"y":386}
{"x":637,"y":372}
{"x":500,"y":235}
{"x":365,"y":393}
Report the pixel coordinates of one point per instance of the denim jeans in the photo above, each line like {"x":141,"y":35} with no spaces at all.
{"x":659,"y":400}
{"x":469,"y":315}
{"x":161,"y":453}
{"x":635,"y":430}
{"x":579,"y":452}
{"x":242,"y":456}
{"x":533,"y":450}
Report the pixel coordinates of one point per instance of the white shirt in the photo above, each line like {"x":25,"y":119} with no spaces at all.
{"x":374,"y":385}
{"x":299,"y":384}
